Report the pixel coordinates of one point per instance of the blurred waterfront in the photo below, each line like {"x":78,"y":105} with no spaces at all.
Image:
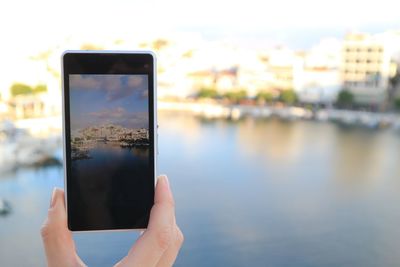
{"x":279,"y":126}
{"x":251,"y":192}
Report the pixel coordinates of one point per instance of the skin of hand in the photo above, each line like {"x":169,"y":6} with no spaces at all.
{"x":158,"y":246}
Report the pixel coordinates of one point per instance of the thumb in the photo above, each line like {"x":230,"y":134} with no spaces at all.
{"x":57,"y":239}
{"x":56,"y":221}
{"x":57,"y":212}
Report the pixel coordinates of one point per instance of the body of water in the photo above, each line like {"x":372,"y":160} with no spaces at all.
{"x":248,"y":193}
{"x":110,"y":189}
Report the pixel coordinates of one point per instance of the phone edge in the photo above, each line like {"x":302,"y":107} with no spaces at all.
{"x":155,"y":125}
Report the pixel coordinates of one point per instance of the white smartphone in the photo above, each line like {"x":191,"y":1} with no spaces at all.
{"x":110,"y":138}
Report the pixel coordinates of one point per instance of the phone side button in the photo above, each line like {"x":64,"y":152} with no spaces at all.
{"x":158,"y":149}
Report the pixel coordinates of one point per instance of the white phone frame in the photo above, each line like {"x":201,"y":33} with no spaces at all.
{"x":155,"y":124}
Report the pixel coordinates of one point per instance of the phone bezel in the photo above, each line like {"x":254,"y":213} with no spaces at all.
{"x":65,"y":111}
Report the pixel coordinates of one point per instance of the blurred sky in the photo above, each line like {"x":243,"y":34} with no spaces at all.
{"x":28,"y":25}
{"x":108,"y":99}
{"x":31,"y":27}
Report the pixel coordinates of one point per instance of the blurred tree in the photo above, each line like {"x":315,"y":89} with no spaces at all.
{"x":20,"y":89}
{"x":188,"y":54}
{"x":207,"y":93}
{"x":289,"y":97}
{"x":159,"y":44}
{"x":264,"y":96}
{"x":395,"y":80}
{"x":345,"y":99}
{"x":91,"y":47}
{"x":143,"y":45}
{"x":308,"y":106}
{"x":394,"y":88}
{"x":44,"y":57}
{"x":236,"y":96}
{"x":119,"y":42}
{"x":397,"y":103}
{"x":40,"y":88}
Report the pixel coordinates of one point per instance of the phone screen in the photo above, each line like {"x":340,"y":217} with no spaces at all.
{"x":110,"y":150}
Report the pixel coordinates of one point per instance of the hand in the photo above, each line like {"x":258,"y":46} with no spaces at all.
{"x":158,"y":246}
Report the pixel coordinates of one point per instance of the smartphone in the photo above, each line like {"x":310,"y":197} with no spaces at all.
{"x":109,"y":138}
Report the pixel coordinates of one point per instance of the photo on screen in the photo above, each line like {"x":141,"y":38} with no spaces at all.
{"x":108,"y":110}
{"x":110,"y":146}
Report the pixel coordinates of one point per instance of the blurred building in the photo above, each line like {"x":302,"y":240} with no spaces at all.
{"x":223,"y":81}
{"x":227,"y":80}
{"x":320,"y":80}
{"x":320,"y":85}
{"x":202,"y":79}
{"x":325,"y":54}
{"x":255,"y":79}
{"x":314,"y":75}
{"x":367,"y":65}
{"x":4,"y":110}
{"x":34,"y":106}
{"x":209,"y":64}
{"x":285,"y":67}
{"x":42,"y":68}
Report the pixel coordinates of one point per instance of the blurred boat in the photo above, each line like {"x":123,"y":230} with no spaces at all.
{"x":8,"y":147}
{"x":293,"y":113}
{"x":369,"y":120}
{"x":235,"y":114}
{"x":8,"y":153}
{"x":321,"y":115}
{"x":396,"y":125}
{"x":19,"y":148}
{"x":5,"y":207}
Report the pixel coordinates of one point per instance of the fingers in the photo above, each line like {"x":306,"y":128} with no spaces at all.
{"x":57,"y":239}
{"x":162,"y":237}
{"x":169,"y":256}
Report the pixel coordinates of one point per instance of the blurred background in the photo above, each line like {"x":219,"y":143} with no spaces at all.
{"x":279,"y":126}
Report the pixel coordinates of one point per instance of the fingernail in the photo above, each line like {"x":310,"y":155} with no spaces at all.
{"x":53,"y":198}
{"x":165,"y":178}
{"x":167,"y":181}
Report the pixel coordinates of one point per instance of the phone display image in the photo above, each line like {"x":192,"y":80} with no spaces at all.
{"x":108,"y":111}
{"x":109,"y":150}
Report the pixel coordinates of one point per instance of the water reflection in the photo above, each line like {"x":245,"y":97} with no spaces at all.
{"x":322,"y":204}
{"x":255,"y":137}
{"x":28,"y":192}
{"x":249,"y":193}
